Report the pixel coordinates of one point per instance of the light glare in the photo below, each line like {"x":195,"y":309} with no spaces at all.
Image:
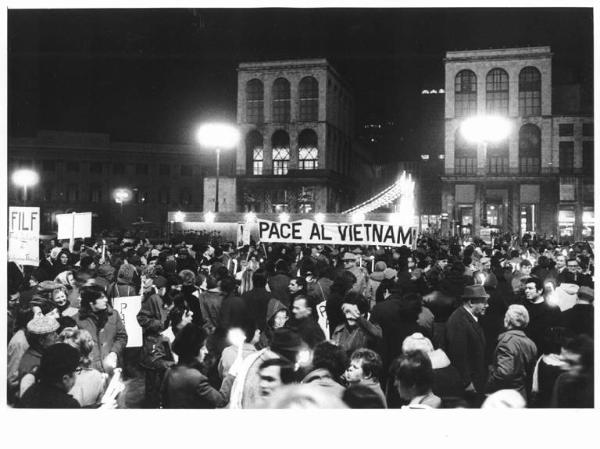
{"x":218,"y":135}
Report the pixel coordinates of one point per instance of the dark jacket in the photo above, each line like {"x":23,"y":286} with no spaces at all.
{"x":233,"y":313}
{"x":513,"y":362}
{"x":210,"y":307}
{"x":579,"y":318}
{"x":151,"y":318}
{"x":466,"y":348}
{"x":111,"y":338}
{"x":542,"y":316}
{"x":256,"y":301}
{"x":308,"y":329}
{"x":47,"y":396}
{"x":186,"y":387}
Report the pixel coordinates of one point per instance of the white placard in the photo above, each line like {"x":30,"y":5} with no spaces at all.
{"x":128,"y":307}
{"x":77,"y":226}
{"x":24,"y":235}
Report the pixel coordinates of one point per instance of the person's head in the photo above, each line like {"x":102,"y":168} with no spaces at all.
{"x":58,"y":366}
{"x":286,"y":343}
{"x":259,"y":278}
{"x":81,"y":340}
{"x":330,"y":357}
{"x":417,"y":342}
{"x":385,"y":289}
{"x":525,"y":267}
{"x":44,"y":307}
{"x":516,"y":317}
{"x":190,"y":344}
{"x":354,"y":303}
{"x":24,"y":316}
{"x":573,"y":266}
{"x":41,"y":332}
{"x":297,"y":285}
{"x":63,"y":258}
{"x":442,"y":261}
{"x":561,"y":262}
{"x":302,"y":307}
{"x":475,"y":299}
{"x":280,"y":318}
{"x":534,"y":288}
{"x":360,"y":396}
{"x":274,"y":373}
{"x":188,"y":277}
{"x":178,"y":318}
{"x":349,"y":260}
{"x":365,"y":364}
{"x":228,"y":285}
{"x":59,"y":296}
{"x":413,"y":375}
{"x":93,"y":299}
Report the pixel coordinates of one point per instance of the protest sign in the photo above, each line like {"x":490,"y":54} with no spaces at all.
{"x":24,"y":235}
{"x":310,"y":232}
{"x":128,"y":308}
{"x":74,"y":226}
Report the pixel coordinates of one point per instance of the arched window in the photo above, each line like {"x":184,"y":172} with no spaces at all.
{"x":530,"y":92}
{"x":281,"y":101}
{"x":308,"y":151}
{"x":281,"y":152}
{"x":497,"y":157}
{"x":530,"y":149}
{"x":308,"y":92}
{"x":496,"y":92}
{"x":254,"y":153}
{"x":465,"y":93}
{"x":465,"y":155}
{"x":254,"y":102}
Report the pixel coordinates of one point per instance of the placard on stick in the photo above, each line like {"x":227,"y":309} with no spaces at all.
{"x":24,"y":235}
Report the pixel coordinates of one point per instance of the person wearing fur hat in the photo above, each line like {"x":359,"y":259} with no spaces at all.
{"x":105,"y":325}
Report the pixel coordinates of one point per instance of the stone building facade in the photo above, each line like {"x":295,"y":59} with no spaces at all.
{"x":540,"y":178}
{"x":297,"y":153}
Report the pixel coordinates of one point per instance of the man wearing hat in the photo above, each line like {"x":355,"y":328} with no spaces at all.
{"x":56,"y":376}
{"x":350,"y":264}
{"x":580,"y":317}
{"x":465,"y":339}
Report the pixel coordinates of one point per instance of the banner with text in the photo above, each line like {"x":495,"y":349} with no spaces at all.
{"x":310,"y":232}
{"x":24,"y":235}
{"x":128,"y":308}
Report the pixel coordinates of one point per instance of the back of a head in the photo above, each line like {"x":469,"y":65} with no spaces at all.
{"x":188,"y":342}
{"x":57,"y":360}
{"x":362,"y":397}
{"x":228,"y":285}
{"x":414,"y":369}
{"x":304,"y":396}
{"x":417,"y":342}
{"x":517,"y":316}
{"x":331,"y":357}
{"x":259,"y":278}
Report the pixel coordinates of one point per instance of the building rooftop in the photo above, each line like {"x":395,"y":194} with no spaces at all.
{"x":499,"y":53}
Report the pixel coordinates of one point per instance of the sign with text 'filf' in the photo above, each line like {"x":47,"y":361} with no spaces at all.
{"x":310,"y":232}
{"x":24,"y":235}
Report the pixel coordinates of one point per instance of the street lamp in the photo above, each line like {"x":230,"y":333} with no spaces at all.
{"x":218,"y":136}
{"x":122,"y":196}
{"x":485,"y":129}
{"x":25,"y":177}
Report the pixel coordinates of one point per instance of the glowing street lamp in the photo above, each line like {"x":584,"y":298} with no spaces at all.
{"x":485,"y":129}
{"x":25,"y":178}
{"x":122,"y":196}
{"x":218,"y":136}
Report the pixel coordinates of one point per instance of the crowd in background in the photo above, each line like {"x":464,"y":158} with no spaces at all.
{"x":446,"y":324}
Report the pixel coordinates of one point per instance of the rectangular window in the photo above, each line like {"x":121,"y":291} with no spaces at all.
{"x":96,"y":167}
{"x":588,"y":129}
{"x":565,"y":129}
{"x":497,"y":165}
{"x":567,"y":189}
{"x":141,"y":169}
{"x":186,"y":170}
{"x":566,"y":221}
{"x":465,"y":165}
{"x":308,"y":159}
{"x":164,"y":169}
{"x":466,"y":104}
{"x":281,"y":158}
{"x":118,"y":168}
{"x":588,"y":156}
{"x":72,"y":166}
{"x":566,"y":157}
{"x":95,"y":194}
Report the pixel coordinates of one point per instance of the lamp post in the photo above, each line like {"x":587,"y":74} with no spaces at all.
{"x":220,"y":136}
{"x":24,"y":178}
{"x":122,"y":196}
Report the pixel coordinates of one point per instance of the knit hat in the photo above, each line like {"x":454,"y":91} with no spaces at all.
{"x":126,"y":273}
{"x":42,"y":325}
{"x":389,"y":273}
{"x":417,"y":342}
{"x":349,"y":256}
{"x":586,"y":293}
{"x":380,"y":266}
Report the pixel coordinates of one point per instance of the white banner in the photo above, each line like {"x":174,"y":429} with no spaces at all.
{"x":128,"y":307}
{"x":310,"y":232}
{"x":77,"y":226}
{"x":24,"y":235}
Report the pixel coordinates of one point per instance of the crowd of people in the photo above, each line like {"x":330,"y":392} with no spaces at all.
{"x":446,"y":324}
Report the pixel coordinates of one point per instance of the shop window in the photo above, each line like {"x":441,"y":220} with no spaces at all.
{"x":588,"y":224}
{"x":566,"y":221}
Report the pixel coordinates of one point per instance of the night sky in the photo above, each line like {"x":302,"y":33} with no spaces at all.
{"x":152,"y":75}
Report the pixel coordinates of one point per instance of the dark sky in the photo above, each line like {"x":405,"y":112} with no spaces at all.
{"x":152,"y":75}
